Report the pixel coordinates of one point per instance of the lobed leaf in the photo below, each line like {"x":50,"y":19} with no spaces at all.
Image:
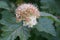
{"x":46,"y":25}
{"x":11,"y":29}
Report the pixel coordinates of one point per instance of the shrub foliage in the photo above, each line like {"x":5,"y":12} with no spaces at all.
{"x":48,"y":27}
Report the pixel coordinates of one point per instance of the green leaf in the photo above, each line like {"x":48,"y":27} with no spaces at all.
{"x":48,"y":36}
{"x":24,"y":34}
{"x":11,"y":29}
{"x":4,"y":5}
{"x":8,"y":16}
{"x":50,"y":16}
{"x":9,"y":33}
{"x":46,"y":25}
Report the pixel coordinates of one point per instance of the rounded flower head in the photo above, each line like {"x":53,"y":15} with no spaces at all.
{"x":28,"y":13}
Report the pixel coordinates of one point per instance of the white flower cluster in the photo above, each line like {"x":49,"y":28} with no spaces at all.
{"x":29,"y":13}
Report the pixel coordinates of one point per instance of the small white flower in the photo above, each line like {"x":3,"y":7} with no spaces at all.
{"x":32,"y":21}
